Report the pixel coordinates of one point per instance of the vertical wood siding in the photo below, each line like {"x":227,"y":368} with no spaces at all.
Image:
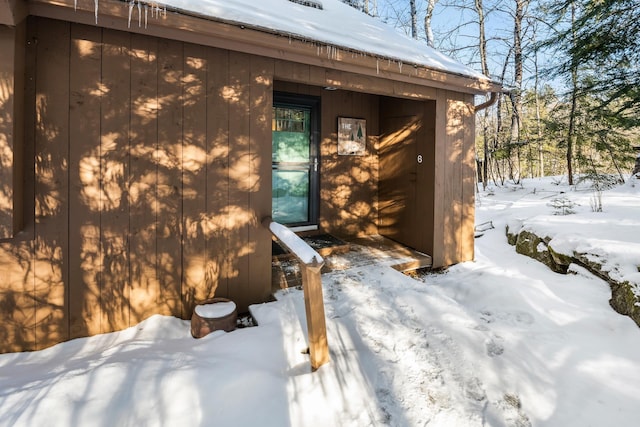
{"x":12,"y":68}
{"x":116,"y":168}
{"x":192,"y":152}
{"x":454,"y":189}
{"x":7,"y":126}
{"x":148,"y":166}
{"x":152,"y":173}
{"x":52,"y":177}
{"x":16,"y":291}
{"x":349,"y":184}
{"x":466,"y":243}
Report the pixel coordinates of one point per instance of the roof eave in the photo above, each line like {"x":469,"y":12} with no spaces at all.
{"x":12,"y":12}
{"x":492,"y":86}
{"x":195,"y":28}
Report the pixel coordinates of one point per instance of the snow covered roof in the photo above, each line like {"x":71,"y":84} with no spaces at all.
{"x":335,"y":24}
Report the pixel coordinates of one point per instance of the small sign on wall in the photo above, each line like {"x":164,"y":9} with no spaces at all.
{"x":352,"y":136}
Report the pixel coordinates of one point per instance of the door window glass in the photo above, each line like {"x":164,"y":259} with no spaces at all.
{"x":290,"y":135}
{"x":290,"y":196}
{"x":290,"y":157}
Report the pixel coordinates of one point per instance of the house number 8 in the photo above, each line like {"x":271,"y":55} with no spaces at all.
{"x":419,"y":158}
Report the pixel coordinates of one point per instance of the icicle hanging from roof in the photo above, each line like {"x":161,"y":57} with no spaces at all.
{"x":154,"y":6}
{"x":131,"y":4}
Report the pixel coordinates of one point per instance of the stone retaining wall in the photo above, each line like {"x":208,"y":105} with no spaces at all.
{"x":623,"y":299}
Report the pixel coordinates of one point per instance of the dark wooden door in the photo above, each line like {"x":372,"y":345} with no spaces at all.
{"x":406,"y":164}
{"x":398,"y":179}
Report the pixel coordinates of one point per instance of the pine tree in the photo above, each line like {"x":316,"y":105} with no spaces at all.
{"x":607,"y":43}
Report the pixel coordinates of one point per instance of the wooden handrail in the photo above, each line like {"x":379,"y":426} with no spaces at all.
{"x":310,"y":265}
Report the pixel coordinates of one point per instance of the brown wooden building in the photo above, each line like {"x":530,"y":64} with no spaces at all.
{"x":139,"y":153}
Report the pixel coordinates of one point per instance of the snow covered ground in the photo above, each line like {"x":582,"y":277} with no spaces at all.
{"x":501,"y":341}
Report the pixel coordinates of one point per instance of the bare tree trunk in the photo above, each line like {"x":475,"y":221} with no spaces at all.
{"x":530,"y":159}
{"x":485,"y":147}
{"x":571,"y":137}
{"x":370,"y":7}
{"x":431,"y":5}
{"x":482,"y":48}
{"x":496,"y":141}
{"x":414,"y":19}
{"x":482,"y":41}
{"x":538,"y":119}
{"x":613,"y":158}
{"x":574,"y":103}
{"x":516,"y":95}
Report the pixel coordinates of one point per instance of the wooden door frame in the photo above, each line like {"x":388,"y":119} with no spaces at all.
{"x":287,"y":99}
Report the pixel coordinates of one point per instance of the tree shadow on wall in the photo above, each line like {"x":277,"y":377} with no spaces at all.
{"x":145,"y":170}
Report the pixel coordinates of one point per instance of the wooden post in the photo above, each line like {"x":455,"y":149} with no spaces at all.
{"x":314,"y":308}
{"x":310,"y":265}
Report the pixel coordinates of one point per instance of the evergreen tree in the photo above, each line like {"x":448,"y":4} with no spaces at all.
{"x":606,"y":42}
